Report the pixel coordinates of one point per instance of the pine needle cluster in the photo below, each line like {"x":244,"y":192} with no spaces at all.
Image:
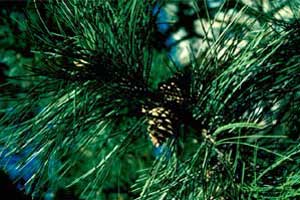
{"x":224,"y":125}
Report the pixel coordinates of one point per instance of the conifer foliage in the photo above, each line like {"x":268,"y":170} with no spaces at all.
{"x":102,"y":97}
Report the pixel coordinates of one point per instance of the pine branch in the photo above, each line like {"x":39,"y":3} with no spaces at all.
{"x":222,"y":124}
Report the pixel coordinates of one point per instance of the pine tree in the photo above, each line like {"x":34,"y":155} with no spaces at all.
{"x":104,"y":94}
